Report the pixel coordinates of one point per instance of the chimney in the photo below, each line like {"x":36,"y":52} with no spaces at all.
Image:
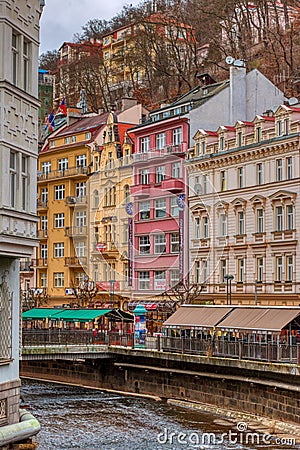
{"x":237,"y":94}
{"x":128,"y":103}
{"x":73,"y":114}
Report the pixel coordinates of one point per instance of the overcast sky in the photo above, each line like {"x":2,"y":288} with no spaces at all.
{"x":61,"y":19}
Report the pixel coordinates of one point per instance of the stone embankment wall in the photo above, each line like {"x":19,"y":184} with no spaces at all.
{"x":263,"y":396}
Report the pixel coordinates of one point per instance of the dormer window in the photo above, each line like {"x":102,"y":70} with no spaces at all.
{"x":221,"y":143}
{"x":239,"y":139}
{"x":258,"y":134}
{"x":88,"y":135}
{"x":286,"y":125}
{"x":203,"y":147}
{"x":279,"y":128}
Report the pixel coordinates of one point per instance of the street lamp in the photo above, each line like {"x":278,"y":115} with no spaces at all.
{"x":111,"y":293}
{"x":228,"y":279}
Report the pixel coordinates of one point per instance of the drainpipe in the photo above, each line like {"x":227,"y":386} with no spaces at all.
{"x":26,"y":428}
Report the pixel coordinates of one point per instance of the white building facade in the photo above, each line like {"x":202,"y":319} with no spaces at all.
{"x":19,"y":45}
{"x":244,"y":210}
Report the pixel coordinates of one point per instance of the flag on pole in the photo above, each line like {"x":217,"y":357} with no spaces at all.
{"x":50,"y":122}
{"x":63,"y":107}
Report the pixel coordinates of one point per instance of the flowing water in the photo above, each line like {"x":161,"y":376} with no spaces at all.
{"x":77,"y":418}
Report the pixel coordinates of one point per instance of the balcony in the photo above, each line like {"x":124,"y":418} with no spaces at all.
{"x":42,"y":234}
{"x":73,"y":261}
{"x":168,"y":150}
{"x":173,"y":185}
{"x":26,"y":266}
{"x":41,"y":205}
{"x":76,"y":231}
{"x":40,"y":262}
{"x":72,"y":201}
{"x":71,"y":172}
{"x":140,"y":190}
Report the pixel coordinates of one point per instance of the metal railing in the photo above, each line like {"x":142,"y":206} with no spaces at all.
{"x":256,"y":351}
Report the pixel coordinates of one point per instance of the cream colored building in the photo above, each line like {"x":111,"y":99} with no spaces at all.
{"x":244,"y":203}
{"x":19,"y":46}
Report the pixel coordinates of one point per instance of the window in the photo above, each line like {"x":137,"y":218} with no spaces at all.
{"x":289,"y":168}
{"x":260,"y":269}
{"x":95,"y":272}
{"x":176,"y":170}
{"x":43,"y":280}
{"x":96,"y":199}
{"x":160,"y":280}
{"x":290,"y":217}
{"x":204,"y":271}
{"x":279,"y":169}
{"x":223,"y":270}
{"x":88,"y":135}
{"x":80,"y":189}
{"x":80,"y":218}
{"x":241,"y":222}
{"x":63,"y":164}
{"x":241,"y":270}
{"x":159,"y":243}
{"x":44,"y":251}
{"x":144,"y":280}
{"x":126,"y":193}
{"x":80,"y":249}
{"x":160,"y":174}
{"x":279,"y":268}
{"x":144,"y":176}
{"x":258,"y":134}
{"x":221,"y":143}
{"x":279,"y":128}
{"x":174,"y":244}
{"x":223,"y":222}
{"x":13,"y":179}
{"x":44,"y":223}
{"x":259,"y":173}
{"x":205,"y":184}
{"x":145,"y":144}
{"x":174,"y":277}
{"x":286,"y":126}
{"x":223,"y":180}
{"x":160,"y":141}
{"x":144,"y":210}
{"x":59,"y":250}
{"x":59,"y":279}
{"x":241,"y":177}
{"x":59,"y":192}
{"x":177,"y":136}
{"x":73,"y":139}
{"x":239,"y":139}
{"x":205,"y":227}
{"x":15,"y":58}
{"x":46,"y":167}
{"x":67,"y":140}
{"x":279,"y":218}
{"x":144,"y":245}
{"x":26,"y":65}
{"x":59,"y":220}
{"x":110,"y":162}
{"x":160,"y":208}
{"x":197,"y":227}
{"x":260,"y":220}
{"x":289,"y":268}
{"x":44,"y":195}
{"x":198,"y":272}
{"x":174,"y":207}
{"x":81,"y":161}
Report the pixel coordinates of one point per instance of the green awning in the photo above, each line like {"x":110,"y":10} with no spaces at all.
{"x":40,"y":313}
{"x":80,"y":315}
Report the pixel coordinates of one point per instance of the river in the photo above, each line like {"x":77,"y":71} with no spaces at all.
{"x":77,"y":418}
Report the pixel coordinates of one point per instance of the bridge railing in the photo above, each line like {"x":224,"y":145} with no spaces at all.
{"x":61,"y":337}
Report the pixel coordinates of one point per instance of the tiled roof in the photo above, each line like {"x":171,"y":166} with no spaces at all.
{"x":84,"y":124}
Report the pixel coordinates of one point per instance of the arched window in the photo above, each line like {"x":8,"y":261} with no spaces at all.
{"x":126,"y":192}
{"x":96,"y":199}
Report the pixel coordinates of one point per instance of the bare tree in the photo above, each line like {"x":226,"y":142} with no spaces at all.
{"x":183,"y":292}
{"x":33,"y":298}
{"x":85,"y":292}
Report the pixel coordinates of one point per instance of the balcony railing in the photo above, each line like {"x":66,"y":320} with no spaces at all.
{"x":173,"y":185}
{"x":42,"y":234}
{"x":76,"y":231}
{"x":41,"y":205}
{"x":168,"y":150}
{"x":72,"y":201}
{"x":26,"y":266}
{"x":70,"y":172}
{"x":40,"y":262}
{"x":74,"y":261}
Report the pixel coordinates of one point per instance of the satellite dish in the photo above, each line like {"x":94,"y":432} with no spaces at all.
{"x":292,"y":101}
{"x":238,"y":63}
{"x":229,"y":60}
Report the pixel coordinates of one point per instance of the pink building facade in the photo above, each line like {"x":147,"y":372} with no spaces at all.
{"x":158,"y":191}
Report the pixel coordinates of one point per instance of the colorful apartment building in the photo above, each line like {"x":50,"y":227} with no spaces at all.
{"x":63,"y":169}
{"x":244,"y":206}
